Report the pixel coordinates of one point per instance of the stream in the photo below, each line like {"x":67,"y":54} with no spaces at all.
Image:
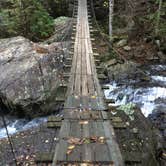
{"x":150,"y":98}
{"x":18,"y":125}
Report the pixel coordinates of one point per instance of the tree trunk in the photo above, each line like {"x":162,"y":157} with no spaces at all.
{"x":158,"y":17}
{"x":111,"y":10}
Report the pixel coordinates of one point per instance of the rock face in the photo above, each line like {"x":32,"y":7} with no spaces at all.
{"x":138,"y":140}
{"x":122,"y":73}
{"x":28,"y":75}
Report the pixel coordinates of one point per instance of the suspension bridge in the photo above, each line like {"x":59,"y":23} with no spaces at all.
{"x":86,"y":134}
{"x":82,"y":133}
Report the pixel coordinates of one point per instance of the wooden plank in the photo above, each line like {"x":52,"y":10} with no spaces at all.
{"x":44,"y":157}
{"x":61,"y":147}
{"x":54,"y":119}
{"x":54,"y":124}
{"x":96,"y":54}
{"x":63,"y":85}
{"x":104,"y":115}
{"x":88,"y":154}
{"x":102,"y":153}
{"x":65,"y":129}
{"x":77,"y":89}
{"x":99,"y":129}
{"x":112,"y":144}
{"x":78,"y":132}
{"x":119,"y":125}
{"x":91,"y":87}
{"x":85,"y":102}
{"x":60,"y":154}
{"x":84,"y":67}
{"x":60,"y":99}
{"x":75,"y":132}
{"x":84,"y":84}
{"x":96,"y":115}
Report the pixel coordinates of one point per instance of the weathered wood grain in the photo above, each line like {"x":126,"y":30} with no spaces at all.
{"x":84,"y":117}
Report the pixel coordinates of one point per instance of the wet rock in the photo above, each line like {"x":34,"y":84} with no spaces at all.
{"x":135,"y":130}
{"x":152,"y":57}
{"x":111,"y":62}
{"x":110,"y":101}
{"x":127,"y":48}
{"x":28,"y":75}
{"x":139,"y":134}
{"x":128,"y":72}
{"x":158,"y":43}
{"x":121,"y":72}
{"x":158,"y":118}
{"x":145,"y":78}
{"x":161,"y":56}
{"x":120,"y":96}
{"x":121,"y":43}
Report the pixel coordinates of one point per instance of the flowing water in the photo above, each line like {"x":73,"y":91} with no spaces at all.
{"x":18,"y":125}
{"x":149,"y":98}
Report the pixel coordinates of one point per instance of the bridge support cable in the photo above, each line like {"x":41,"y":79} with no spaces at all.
{"x":8,"y":136}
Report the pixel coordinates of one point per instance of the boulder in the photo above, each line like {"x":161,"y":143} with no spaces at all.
{"x":28,"y":75}
{"x":121,"y":71}
{"x":126,"y":72}
{"x":121,"y":43}
{"x":161,"y":56}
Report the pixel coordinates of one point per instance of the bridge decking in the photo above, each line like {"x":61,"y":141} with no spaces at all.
{"x":84,"y":118}
{"x":84,"y":89}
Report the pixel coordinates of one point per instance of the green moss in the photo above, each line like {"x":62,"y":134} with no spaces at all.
{"x":128,"y":110}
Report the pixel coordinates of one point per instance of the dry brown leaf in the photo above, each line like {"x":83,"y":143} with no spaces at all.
{"x":93,"y":138}
{"x":75,"y":141}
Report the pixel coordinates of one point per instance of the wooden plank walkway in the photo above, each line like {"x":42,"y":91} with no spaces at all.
{"x":86,"y":135}
{"x":84,"y":85}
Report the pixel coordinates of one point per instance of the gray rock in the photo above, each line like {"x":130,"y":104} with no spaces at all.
{"x":111,"y":62}
{"x":28,"y":74}
{"x":121,"y":43}
{"x":121,"y":71}
{"x":161,"y":56}
{"x":152,"y":57}
{"x":127,"y":48}
{"x":139,"y":55}
{"x":158,"y":43}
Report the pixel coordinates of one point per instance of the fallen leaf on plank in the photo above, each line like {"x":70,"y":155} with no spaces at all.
{"x":69,"y":152}
{"x":83,"y":122}
{"x":76,"y":141}
{"x":71,"y":147}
